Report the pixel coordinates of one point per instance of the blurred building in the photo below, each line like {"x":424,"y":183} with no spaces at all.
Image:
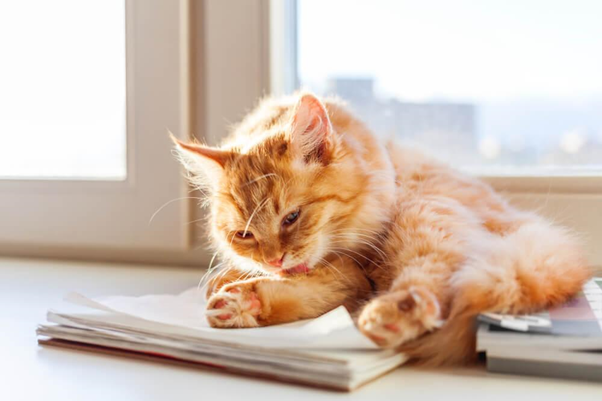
{"x":518,"y":134}
{"x":443,"y":127}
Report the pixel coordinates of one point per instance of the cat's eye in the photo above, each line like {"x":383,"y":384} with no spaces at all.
{"x":291,"y":218}
{"x":244,"y":234}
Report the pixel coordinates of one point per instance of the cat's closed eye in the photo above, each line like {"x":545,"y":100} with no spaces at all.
{"x":244,"y":234}
{"x":291,"y":218}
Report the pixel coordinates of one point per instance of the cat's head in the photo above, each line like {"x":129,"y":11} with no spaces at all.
{"x":279,"y":190}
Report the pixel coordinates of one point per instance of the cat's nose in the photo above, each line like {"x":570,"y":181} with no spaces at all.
{"x":276,"y":262}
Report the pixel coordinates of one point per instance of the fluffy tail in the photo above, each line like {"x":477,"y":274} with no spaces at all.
{"x":535,"y":267}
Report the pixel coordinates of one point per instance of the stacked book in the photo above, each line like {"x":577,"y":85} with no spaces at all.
{"x":565,"y":342}
{"x":325,"y":352}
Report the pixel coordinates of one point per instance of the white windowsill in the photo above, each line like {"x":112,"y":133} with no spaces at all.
{"x":29,"y":372}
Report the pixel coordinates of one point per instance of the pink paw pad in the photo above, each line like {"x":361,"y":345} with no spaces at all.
{"x":392,"y":327}
{"x":254,"y":301}
{"x":219,"y":305}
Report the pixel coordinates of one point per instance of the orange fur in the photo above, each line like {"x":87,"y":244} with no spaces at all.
{"x":314,"y":212}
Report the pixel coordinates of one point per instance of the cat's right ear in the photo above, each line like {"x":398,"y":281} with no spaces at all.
{"x":204,"y":163}
{"x":311,"y":130}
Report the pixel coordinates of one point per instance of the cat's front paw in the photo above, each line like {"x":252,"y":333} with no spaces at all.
{"x":235,"y":305}
{"x":400,"y":316}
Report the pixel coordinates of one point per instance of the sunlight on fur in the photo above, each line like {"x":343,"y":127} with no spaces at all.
{"x":309,"y":211}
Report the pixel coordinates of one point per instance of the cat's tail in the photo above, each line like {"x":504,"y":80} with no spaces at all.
{"x":535,"y":267}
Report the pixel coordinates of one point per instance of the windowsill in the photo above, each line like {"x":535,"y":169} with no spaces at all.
{"x":29,"y":372}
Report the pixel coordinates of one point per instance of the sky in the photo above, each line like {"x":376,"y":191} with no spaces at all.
{"x":485,"y":50}
{"x":532,"y":68}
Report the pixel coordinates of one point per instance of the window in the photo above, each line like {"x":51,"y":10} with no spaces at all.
{"x":89,"y":89}
{"x":63,"y":84}
{"x":509,"y":91}
{"x":498,"y":87}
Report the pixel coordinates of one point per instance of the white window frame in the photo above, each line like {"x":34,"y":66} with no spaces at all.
{"x":214,"y":60}
{"x":110,"y":219}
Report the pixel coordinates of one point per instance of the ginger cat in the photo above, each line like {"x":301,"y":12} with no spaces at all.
{"x":310,"y":211}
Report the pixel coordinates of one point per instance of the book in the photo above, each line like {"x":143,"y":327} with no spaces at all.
{"x":564,"y":342}
{"x":327,"y":352}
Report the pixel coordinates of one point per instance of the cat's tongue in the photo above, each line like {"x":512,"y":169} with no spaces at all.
{"x":299,"y":269}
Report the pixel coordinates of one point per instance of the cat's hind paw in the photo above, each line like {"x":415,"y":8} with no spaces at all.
{"x":233,"y":307}
{"x":400,"y":316}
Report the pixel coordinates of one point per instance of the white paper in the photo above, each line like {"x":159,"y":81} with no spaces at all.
{"x":183,"y":314}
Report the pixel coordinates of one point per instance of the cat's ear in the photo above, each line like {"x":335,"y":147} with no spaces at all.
{"x":204,"y":163}
{"x":311,"y":130}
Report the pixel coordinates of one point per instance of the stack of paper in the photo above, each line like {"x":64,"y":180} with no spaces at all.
{"x":565,"y":342}
{"x":326,"y":352}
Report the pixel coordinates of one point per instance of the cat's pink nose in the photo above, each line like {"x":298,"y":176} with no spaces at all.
{"x":276,"y":262}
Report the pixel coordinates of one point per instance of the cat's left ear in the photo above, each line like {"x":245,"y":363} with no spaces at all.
{"x":311,"y":130}
{"x":205,"y":164}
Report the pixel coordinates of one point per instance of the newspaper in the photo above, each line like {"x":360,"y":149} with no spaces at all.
{"x":328,"y":351}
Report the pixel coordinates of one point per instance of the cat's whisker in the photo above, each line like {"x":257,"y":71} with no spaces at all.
{"x":349,"y":233}
{"x":220,"y":274}
{"x":360,"y":255}
{"x":208,"y":276}
{"x":327,"y":264}
{"x":382,"y":256}
{"x":232,"y":236}
{"x":354,"y":234}
{"x":376,"y":249}
{"x":206,"y":279}
{"x":341,"y":275}
{"x":208,"y":270}
{"x":195,"y":221}
{"x":348,"y":256}
{"x":168,"y":203}
{"x":338,"y":256}
{"x":249,"y":274}
{"x":259,"y":206}
{"x":201,"y":246}
{"x":357,"y":229}
{"x":334,"y":271}
{"x":380,"y":252}
{"x":261,"y":177}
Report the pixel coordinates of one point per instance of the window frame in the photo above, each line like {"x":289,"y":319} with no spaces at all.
{"x":109,"y":219}
{"x":198,"y":51}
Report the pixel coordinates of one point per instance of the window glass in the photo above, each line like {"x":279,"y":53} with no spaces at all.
{"x":62,"y":89}
{"x":509,"y":87}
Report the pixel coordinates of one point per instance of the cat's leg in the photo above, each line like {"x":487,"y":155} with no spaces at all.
{"x":426,"y":245}
{"x":265,"y":301}
{"x":465,"y":268}
{"x":534,"y":267}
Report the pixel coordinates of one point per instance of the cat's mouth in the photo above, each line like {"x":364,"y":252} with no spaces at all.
{"x":301,"y":268}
